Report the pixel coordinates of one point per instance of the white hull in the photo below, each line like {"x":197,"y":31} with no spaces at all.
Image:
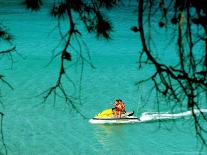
{"x":130,"y":119}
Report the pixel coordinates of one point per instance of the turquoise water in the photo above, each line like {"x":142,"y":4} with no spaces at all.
{"x":31,"y":127}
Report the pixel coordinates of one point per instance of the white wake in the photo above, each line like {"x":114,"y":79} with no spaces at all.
{"x":148,"y":116}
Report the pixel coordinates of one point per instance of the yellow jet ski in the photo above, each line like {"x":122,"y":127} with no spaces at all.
{"x":107,"y":117}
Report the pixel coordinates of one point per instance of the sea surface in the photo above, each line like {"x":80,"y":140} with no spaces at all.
{"x":34,"y":127}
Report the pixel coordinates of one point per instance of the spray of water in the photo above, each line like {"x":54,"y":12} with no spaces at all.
{"x":152,"y":116}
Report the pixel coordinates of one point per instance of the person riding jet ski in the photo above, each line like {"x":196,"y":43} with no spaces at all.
{"x":119,"y":108}
{"x":117,"y":114}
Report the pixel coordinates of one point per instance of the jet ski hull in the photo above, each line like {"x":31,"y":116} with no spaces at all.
{"x":130,"y":119}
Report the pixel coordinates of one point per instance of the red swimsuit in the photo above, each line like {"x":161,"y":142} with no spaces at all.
{"x":119,"y":107}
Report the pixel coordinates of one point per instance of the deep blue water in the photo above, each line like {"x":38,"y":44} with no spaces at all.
{"x":45,"y":129}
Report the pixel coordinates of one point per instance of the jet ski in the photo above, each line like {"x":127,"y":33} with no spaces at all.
{"x":107,"y":117}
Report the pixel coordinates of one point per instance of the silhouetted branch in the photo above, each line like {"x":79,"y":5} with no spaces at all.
{"x":4,"y":148}
{"x":94,"y":21}
{"x":182,"y":82}
{"x":8,"y":51}
{"x":64,"y":56}
{"x":5,"y":36}
{"x":6,"y":82}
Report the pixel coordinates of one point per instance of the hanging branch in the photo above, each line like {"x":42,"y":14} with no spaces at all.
{"x":175,"y":82}
{"x":94,"y":22}
{"x":7,"y":38}
{"x":4,"y":148}
{"x":64,"y":57}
